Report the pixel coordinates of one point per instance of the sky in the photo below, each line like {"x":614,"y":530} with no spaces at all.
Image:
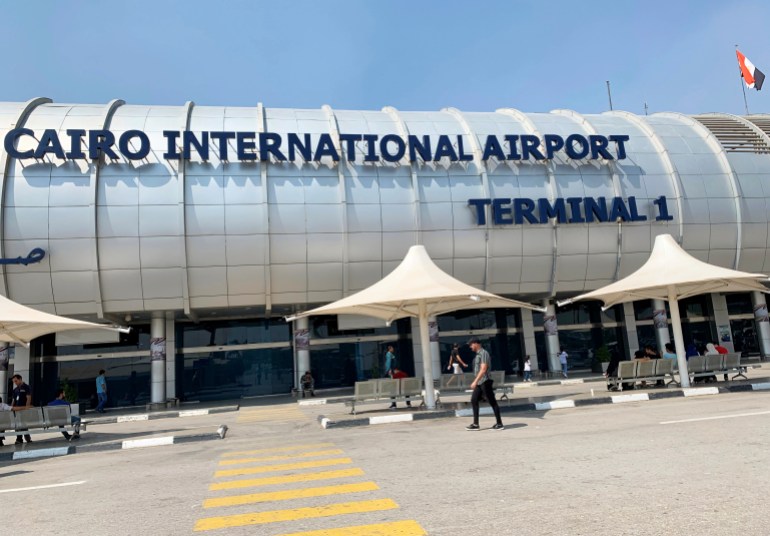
{"x":410,"y":54}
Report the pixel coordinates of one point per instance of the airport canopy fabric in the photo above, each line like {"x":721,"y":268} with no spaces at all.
{"x":416,"y":288}
{"x":20,"y":324}
{"x":673,"y":274}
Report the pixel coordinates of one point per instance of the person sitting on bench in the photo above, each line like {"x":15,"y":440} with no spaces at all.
{"x":61,"y":401}
{"x":308,"y":383}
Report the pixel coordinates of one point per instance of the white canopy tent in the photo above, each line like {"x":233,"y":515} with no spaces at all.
{"x":416,"y":288}
{"x":20,"y":324}
{"x":672,"y":274}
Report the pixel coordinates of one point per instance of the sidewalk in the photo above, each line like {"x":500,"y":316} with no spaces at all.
{"x":574,"y":392}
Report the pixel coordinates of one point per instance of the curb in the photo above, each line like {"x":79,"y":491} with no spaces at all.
{"x":162,"y":415}
{"x":327,"y":422}
{"x":122,"y":445}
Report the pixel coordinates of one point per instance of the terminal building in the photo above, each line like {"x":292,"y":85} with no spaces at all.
{"x":202,"y":227}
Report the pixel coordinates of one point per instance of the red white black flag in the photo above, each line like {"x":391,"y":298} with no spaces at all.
{"x":751,"y":75}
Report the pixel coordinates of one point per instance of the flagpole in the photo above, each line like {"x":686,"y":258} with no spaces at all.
{"x":743,"y":87}
{"x":609,"y":94}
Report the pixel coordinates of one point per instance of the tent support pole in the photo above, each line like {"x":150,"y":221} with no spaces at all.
{"x":676,"y":325}
{"x":427,"y":365}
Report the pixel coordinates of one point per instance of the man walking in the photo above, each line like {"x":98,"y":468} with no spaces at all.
{"x":482,"y":386}
{"x":21,"y":400}
{"x":563,"y":361}
{"x":101,"y":391}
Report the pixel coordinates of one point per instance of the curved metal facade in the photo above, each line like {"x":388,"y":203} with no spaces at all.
{"x":124,"y":237}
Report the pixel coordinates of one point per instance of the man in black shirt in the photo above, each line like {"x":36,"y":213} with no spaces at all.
{"x":21,"y":399}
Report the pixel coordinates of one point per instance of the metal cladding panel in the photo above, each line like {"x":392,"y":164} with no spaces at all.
{"x":294,"y":232}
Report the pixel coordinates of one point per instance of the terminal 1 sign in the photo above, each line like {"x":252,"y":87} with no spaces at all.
{"x":290,"y":147}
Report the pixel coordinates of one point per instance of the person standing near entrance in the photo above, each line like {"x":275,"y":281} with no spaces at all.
{"x":482,"y":386}
{"x":527,"y":370}
{"x":21,"y":400}
{"x":390,"y":361}
{"x":563,"y":360}
{"x":455,"y":361}
{"x":101,"y":391}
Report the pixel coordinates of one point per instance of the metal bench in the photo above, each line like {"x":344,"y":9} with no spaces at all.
{"x":385,"y":390}
{"x":37,"y":421}
{"x":647,"y":371}
{"x":713,"y":364}
{"x":462,"y":382}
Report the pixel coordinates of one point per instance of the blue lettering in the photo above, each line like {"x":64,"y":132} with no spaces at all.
{"x":222,"y":138}
{"x":663,"y":209}
{"x":529,"y":146}
{"x":101,"y":142}
{"x":574,"y":207}
{"x":492,"y":148}
{"x":570,"y":146}
{"x":10,"y":143}
{"x":553,"y":143}
{"x":595,"y":208}
{"x":325,"y":147}
{"x":421,"y":148}
{"x":618,"y":210}
{"x":501,"y":211}
{"x":201,"y":146}
{"x":400,"y":148}
{"x":304,"y":148}
{"x":513,"y":154}
{"x":49,"y":143}
{"x":124,"y":144}
{"x":76,"y":143}
{"x":350,"y":146}
{"x":599,"y":147}
{"x":171,"y":152}
{"x":481,"y":218}
{"x":635,"y":216}
{"x":245,"y":145}
{"x":444,"y":148}
{"x":371,"y":155}
{"x":461,"y":151}
{"x":522,"y":208}
{"x":620,"y":142}
{"x":558,"y":210}
{"x":270,"y":144}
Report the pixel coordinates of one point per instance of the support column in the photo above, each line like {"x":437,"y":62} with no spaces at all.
{"x":629,"y":322}
{"x":435,"y":350}
{"x":171,"y":391}
{"x":762,"y":322}
{"x":722,"y":320}
{"x":158,"y":358}
{"x":4,"y":357}
{"x":660,"y":321}
{"x":21,"y":364}
{"x":551,"y":330}
{"x":414,"y":324}
{"x":528,"y":334}
{"x":430,"y":397}
{"x":301,"y":348}
{"x":676,"y":324}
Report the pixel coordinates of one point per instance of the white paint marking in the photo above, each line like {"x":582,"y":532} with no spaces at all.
{"x":760,"y":386}
{"x":556,"y":404}
{"x":40,"y":453}
{"x":571,"y":382}
{"x":316,"y":402}
{"x":701,"y":391}
{"x":469,"y":412}
{"x":385,"y":419}
{"x":132,"y":418}
{"x":324,"y":423}
{"x":151,"y":442}
{"x":44,"y":487}
{"x":193,"y":412}
{"x":637,"y":397}
{"x":718,"y":417}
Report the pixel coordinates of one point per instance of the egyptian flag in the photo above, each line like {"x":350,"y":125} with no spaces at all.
{"x":751,"y":75}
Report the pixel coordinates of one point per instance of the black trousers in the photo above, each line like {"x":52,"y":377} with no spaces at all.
{"x":486,"y":391}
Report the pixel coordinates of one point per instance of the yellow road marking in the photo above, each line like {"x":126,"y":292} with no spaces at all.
{"x":283,"y":467}
{"x":242,"y":520}
{"x":289,"y":479}
{"x":286,"y":495}
{"x":331,"y":452}
{"x":278,"y":449}
{"x":271,"y":414}
{"x":396,"y":528}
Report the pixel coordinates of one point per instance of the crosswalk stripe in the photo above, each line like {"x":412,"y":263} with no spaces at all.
{"x":288,"y":479}
{"x":395,"y":528}
{"x":277,"y":449}
{"x":286,"y":495}
{"x":283,"y":467}
{"x":331,"y":452}
{"x":274,"y":516}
